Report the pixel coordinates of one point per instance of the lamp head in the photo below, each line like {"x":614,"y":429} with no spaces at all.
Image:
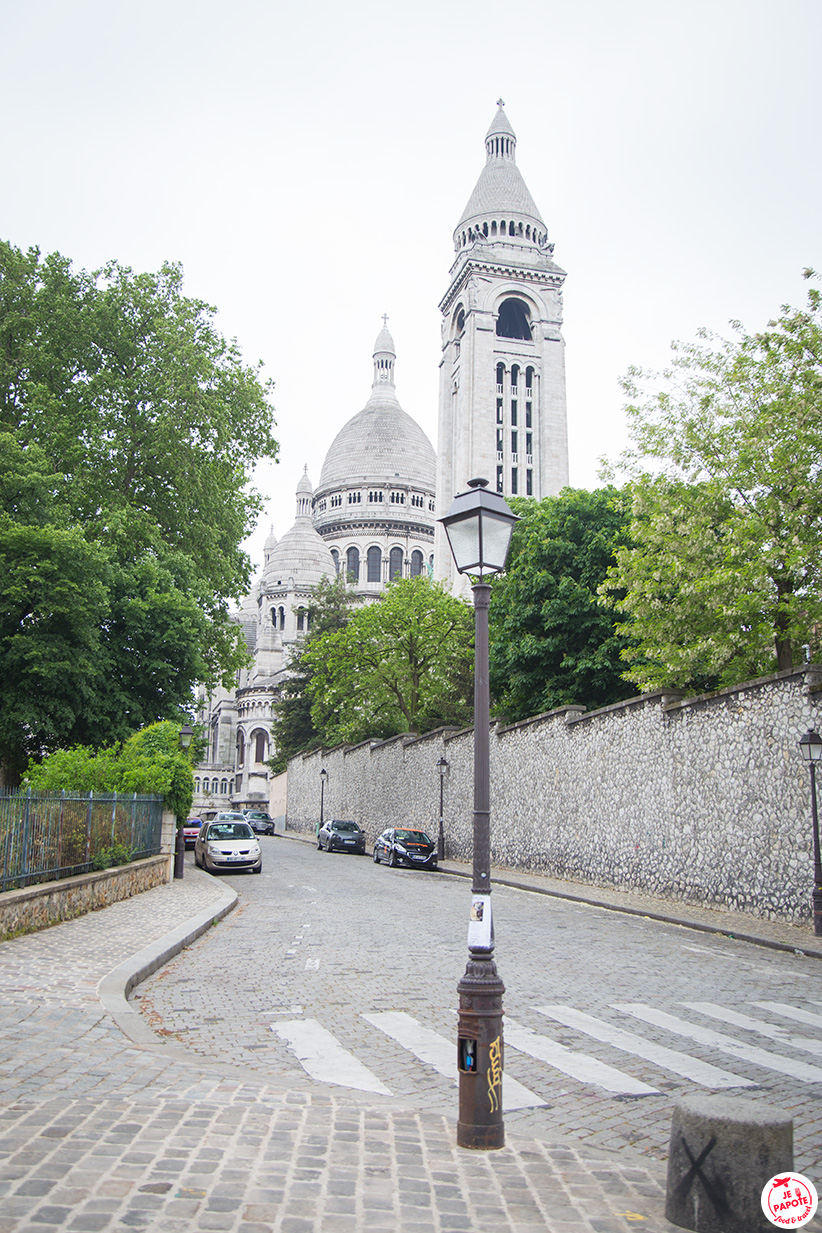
{"x":479,"y":526}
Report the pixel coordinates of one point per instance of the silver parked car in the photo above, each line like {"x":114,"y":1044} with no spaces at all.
{"x":227,"y":845}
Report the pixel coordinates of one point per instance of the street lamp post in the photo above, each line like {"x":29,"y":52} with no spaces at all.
{"x":323,"y":782}
{"x":442,"y":767}
{"x":186,"y":733}
{"x":479,"y":525}
{"x":810,"y":746}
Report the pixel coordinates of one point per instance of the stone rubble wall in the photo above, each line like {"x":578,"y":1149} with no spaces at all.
{"x":47,"y":903}
{"x":704,"y":800}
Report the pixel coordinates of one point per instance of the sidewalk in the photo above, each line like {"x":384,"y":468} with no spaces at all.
{"x":106,"y":1126}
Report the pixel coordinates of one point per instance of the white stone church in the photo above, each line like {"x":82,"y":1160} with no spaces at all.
{"x":502,"y":415}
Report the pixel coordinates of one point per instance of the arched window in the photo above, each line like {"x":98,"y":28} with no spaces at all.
{"x":352,"y":564}
{"x":529,"y":378}
{"x":214,"y":786}
{"x":223,"y":787}
{"x":512,"y":321}
{"x":260,"y":740}
{"x":416,"y":563}
{"x":374,"y":565}
{"x":335,"y":556}
{"x":240,"y":749}
{"x":514,"y":377}
{"x":500,"y":376}
{"x":395,"y":563}
{"x":196,"y":785}
{"x":282,"y":618}
{"x":300,"y":620}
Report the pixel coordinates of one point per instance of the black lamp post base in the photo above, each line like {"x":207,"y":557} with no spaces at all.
{"x":480,"y":1055}
{"x":816,"y":904}
{"x":180,"y":854}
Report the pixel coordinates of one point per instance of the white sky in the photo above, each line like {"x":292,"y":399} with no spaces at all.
{"x":308,"y":166}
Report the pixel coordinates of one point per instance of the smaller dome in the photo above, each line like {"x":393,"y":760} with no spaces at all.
{"x":270,"y":541}
{"x":305,"y":483}
{"x":385,"y":343}
{"x":500,"y":124}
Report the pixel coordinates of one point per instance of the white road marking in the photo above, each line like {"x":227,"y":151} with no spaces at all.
{"x":792,"y":1012}
{"x":312,"y":965}
{"x":441,"y":1053}
{"x":772,"y":1031}
{"x":579,"y":1066}
{"x":323,"y":1058}
{"x":669,"y":1059}
{"x":717,"y":1040}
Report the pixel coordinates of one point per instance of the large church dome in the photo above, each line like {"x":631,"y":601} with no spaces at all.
{"x":374,"y":505}
{"x":382,"y":441}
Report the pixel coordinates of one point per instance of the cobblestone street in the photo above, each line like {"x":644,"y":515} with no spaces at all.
{"x":201,"y":1111}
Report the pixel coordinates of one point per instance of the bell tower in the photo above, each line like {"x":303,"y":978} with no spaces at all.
{"x":502,"y":412}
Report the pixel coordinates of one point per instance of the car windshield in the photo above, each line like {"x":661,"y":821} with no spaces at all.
{"x":259,"y":817}
{"x":230,"y":830}
{"x":412,"y":836}
{"x":344,"y":826}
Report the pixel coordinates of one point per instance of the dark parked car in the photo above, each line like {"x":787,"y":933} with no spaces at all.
{"x":405,"y":846}
{"x":225,"y":845}
{"x":191,"y":829}
{"x":337,"y":836}
{"x":260,"y":821}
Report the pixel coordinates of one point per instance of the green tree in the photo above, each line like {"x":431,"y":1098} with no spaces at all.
{"x":723,"y":580}
{"x":150,"y":761}
{"x":404,"y":664}
{"x":552,"y":636}
{"x":128,"y":427}
{"x":292,"y":727}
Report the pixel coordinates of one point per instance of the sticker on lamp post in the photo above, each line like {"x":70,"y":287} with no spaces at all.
{"x":789,"y":1200}
{"x":479,"y":924}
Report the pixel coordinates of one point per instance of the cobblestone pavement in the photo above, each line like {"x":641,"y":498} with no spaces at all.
{"x":213,"y":1124}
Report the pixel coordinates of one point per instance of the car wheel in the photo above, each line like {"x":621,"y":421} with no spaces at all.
{"x":376,"y":857}
{"x":392,"y":859}
{"x":319,"y":844}
{"x":259,"y":869}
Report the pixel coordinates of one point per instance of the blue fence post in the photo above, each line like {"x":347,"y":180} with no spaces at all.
{"x":88,"y":828}
{"x":60,"y":829}
{"x":113,"y":816}
{"x":26,"y":825}
{"x":133,"y":821}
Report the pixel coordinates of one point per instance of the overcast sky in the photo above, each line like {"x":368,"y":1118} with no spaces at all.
{"x":308,"y":164}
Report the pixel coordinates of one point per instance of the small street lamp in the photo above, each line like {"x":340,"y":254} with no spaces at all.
{"x":442,"y":767}
{"x":479,"y":525}
{"x":323,"y":782}
{"x":810,"y":746}
{"x":186,"y":734}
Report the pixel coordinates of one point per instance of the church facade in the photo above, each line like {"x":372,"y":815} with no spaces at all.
{"x":502,"y":416}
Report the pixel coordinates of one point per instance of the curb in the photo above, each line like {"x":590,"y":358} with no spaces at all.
{"x":113,"y":989}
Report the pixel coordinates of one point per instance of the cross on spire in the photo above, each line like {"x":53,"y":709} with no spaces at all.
{"x":385,"y":321}
{"x":500,"y":102}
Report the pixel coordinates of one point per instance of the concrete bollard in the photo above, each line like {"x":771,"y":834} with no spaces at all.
{"x":723,"y":1151}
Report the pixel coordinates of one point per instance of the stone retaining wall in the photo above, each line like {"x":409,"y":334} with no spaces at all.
{"x":700,"y":799}
{"x":48,"y":903}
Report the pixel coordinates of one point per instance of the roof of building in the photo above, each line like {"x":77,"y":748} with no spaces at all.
{"x":500,"y":189}
{"x":301,"y":554}
{"x":382,"y":442}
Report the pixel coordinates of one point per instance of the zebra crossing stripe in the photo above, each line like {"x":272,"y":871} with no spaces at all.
{"x":323,"y":1058}
{"x":579,"y":1066}
{"x":780,"y":1034}
{"x":668,"y":1059}
{"x":792,"y":1012}
{"x":717,"y":1040}
{"x":441,"y":1053}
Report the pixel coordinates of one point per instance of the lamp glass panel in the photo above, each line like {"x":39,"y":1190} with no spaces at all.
{"x":496,"y":536}
{"x":463,"y":536}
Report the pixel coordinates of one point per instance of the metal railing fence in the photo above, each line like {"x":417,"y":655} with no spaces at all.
{"x":50,"y":835}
